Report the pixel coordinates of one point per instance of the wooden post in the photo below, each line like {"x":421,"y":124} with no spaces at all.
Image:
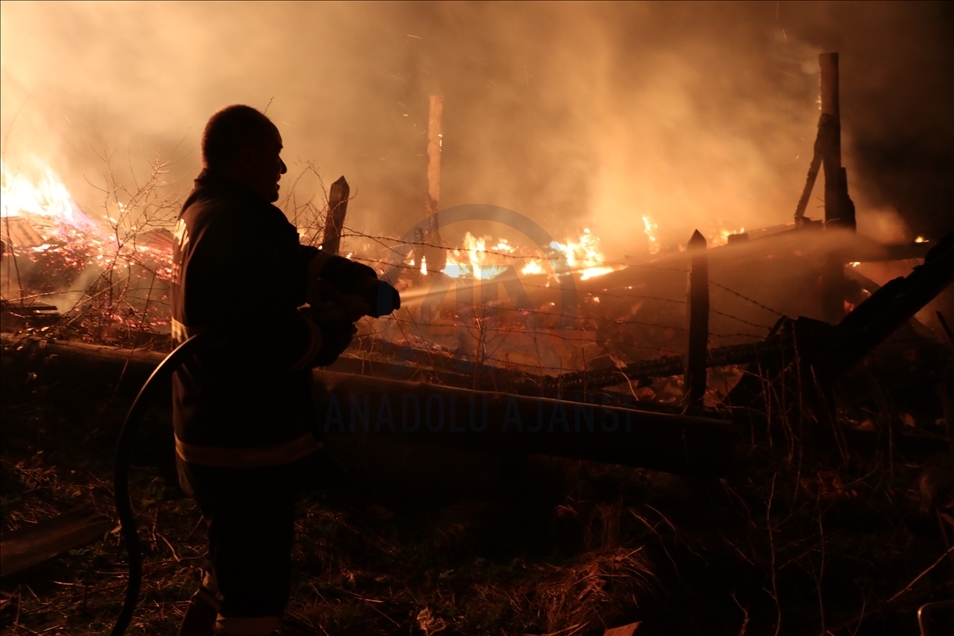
{"x":435,"y":256}
{"x":434,"y":147}
{"x":334,"y":222}
{"x":839,"y":210}
{"x":698,"y":308}
{"x":832,"y":147}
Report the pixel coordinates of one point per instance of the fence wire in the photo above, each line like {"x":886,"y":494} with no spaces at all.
{"x":592,"y":324}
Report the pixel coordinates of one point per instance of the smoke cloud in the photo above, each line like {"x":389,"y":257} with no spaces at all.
{"x":577,"y":115}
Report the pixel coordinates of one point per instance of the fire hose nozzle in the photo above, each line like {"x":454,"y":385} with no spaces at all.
{"x":375,"y":298}
{"x":386,"y":299}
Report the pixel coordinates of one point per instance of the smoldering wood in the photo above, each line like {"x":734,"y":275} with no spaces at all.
{"x":698,"y":315}
{"x":337,"y":209}
{"x":29,"y":546}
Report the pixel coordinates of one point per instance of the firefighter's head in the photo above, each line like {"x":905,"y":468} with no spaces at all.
{"x":244,"y":145}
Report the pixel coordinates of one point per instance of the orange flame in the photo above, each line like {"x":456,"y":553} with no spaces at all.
{"x":47,"y":198}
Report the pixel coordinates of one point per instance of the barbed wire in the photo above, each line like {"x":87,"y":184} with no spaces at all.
{"x":511,"y":255}
{"x":744,"y":297}
{"x":517,"y":256}
{"x":581,"y":334}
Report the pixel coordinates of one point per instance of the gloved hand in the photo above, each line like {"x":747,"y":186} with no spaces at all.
{"x":333,"y":278}
{"x":336,"y":328}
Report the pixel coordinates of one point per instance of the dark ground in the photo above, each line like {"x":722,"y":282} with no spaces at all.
{"x":812,"y":534}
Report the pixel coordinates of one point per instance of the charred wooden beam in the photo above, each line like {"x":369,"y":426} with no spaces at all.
{"x":831,"y":149}
{"x":888,"y":308}
{"x":839,"y":210}
{"x":337,"y":209}
{"x":28,"y":546}
{"x":489,"y":420}
{"x":855,"y":336}
{"x":348,"y":403}
{"x":666,"y":366}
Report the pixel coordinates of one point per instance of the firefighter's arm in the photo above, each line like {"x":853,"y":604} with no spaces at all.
{"x":248,"y":285}
{"x":353,"y":285}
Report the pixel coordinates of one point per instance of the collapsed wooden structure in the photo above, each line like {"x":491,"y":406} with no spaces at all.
{"x":590,"y":413}
{"x":566,"y":415}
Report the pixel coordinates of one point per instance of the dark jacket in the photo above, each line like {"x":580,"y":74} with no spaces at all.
{"x":240,"y":272}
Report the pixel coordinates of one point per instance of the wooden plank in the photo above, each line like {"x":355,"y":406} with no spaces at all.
{"x":19,"y":233}
{"x":337,"y":209}
{"x":29,"y":546}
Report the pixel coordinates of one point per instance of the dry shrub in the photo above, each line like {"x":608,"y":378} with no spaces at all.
{"x":602,"y":584}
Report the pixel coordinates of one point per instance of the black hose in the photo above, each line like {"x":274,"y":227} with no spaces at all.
{"x":121,"y":475}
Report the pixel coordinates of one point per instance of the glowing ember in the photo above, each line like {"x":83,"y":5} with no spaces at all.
{"x":920,"y":239}
{"x":593,"y":272}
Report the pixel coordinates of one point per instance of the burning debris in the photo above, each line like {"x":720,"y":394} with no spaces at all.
{"x":576,"y":351}
{"x":106,"y":278}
